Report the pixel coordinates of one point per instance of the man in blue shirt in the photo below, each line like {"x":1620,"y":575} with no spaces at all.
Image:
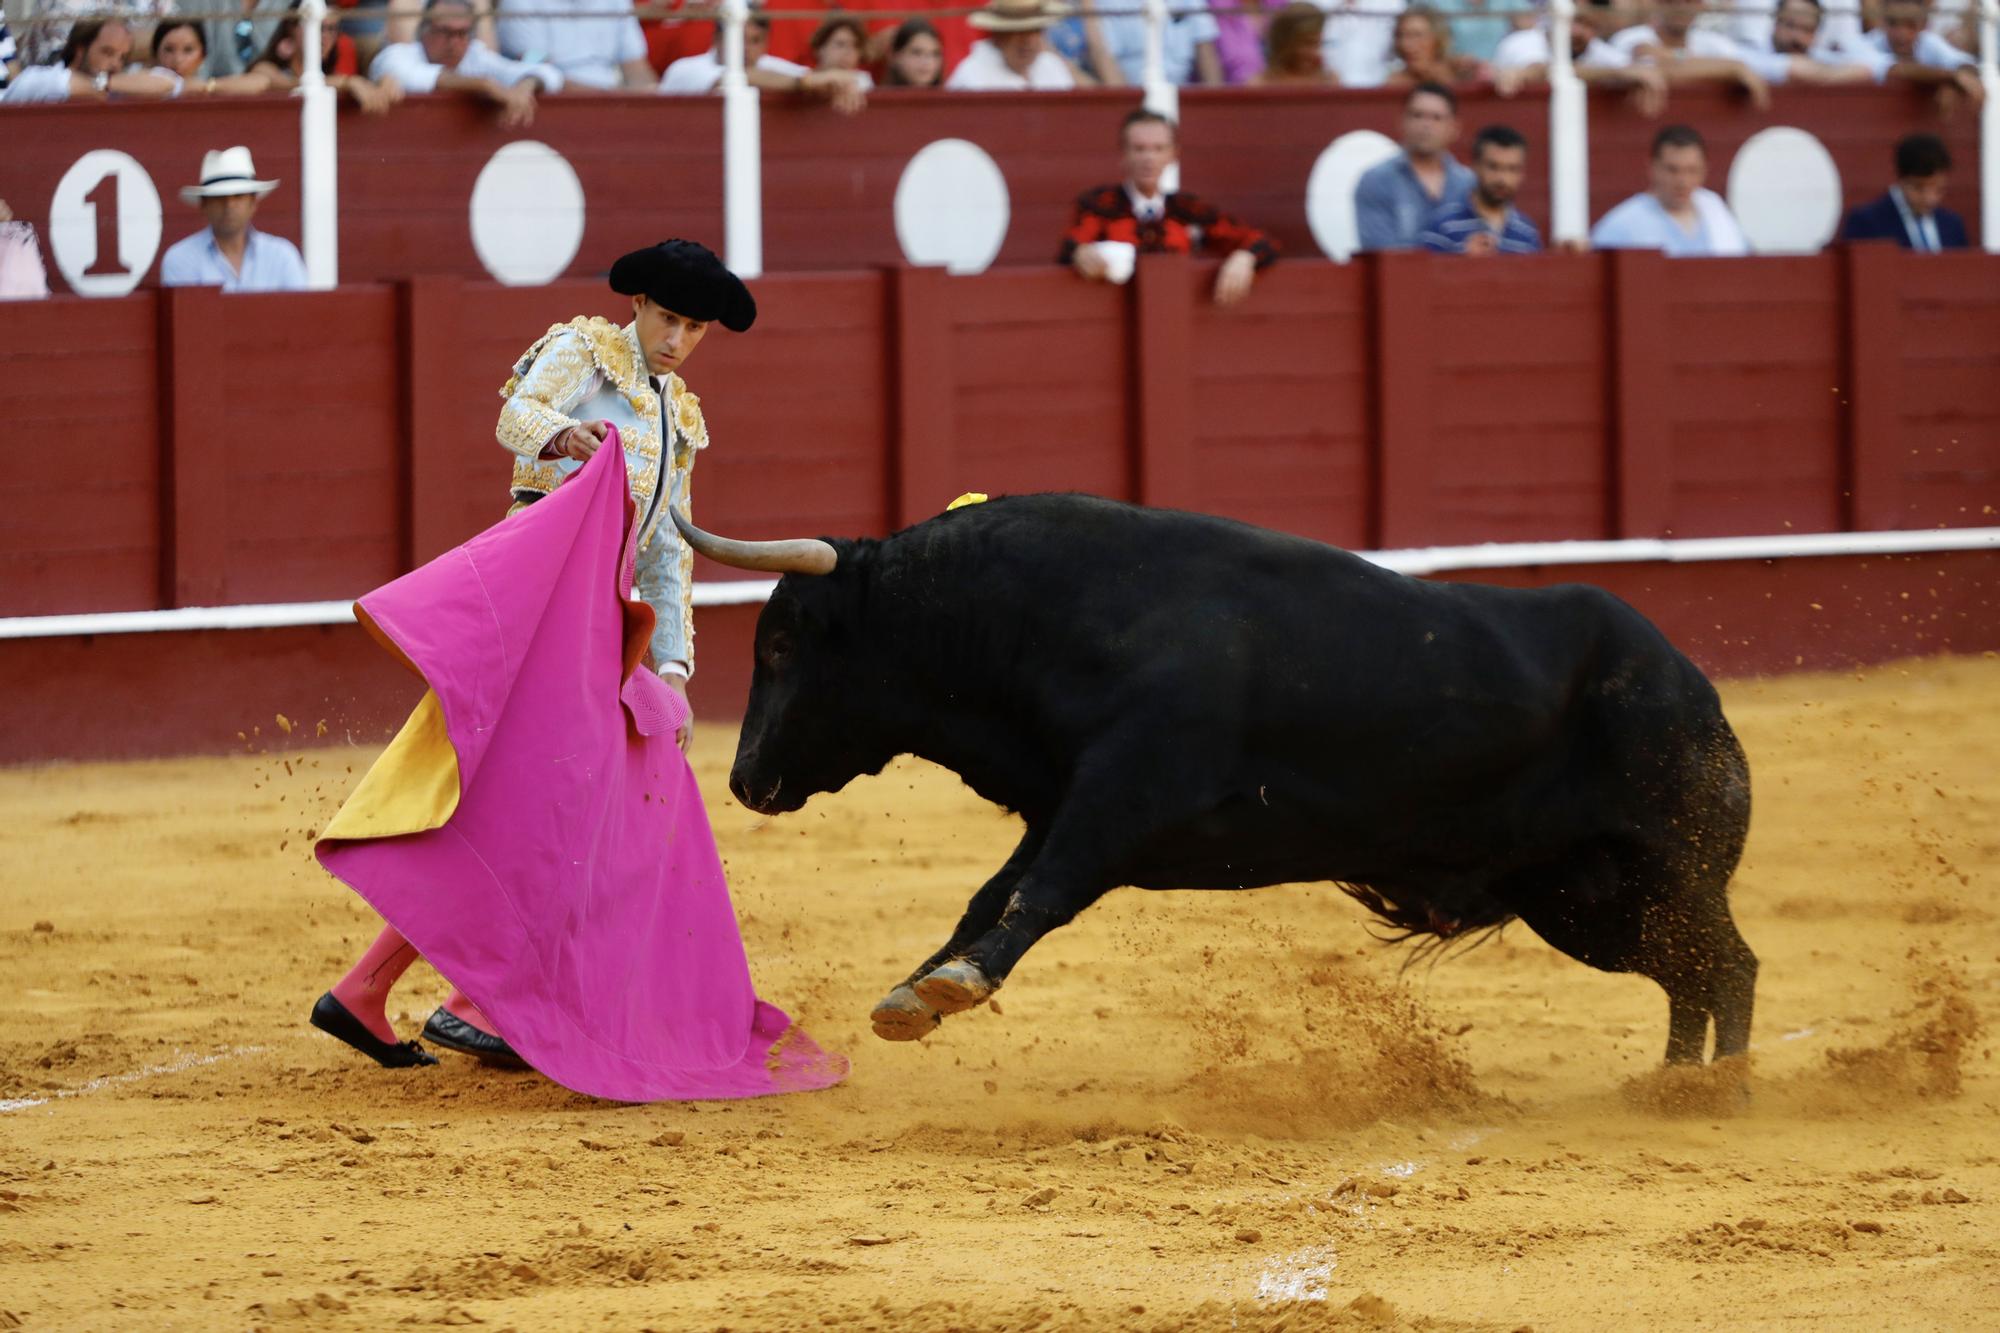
{"x":1486,"y":222}
{"x":1677,"y":216}
{"x":1392,"y":199}
{"x":231,"y":254}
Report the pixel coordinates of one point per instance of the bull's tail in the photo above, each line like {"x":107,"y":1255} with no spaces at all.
{"x":1429,"y":927}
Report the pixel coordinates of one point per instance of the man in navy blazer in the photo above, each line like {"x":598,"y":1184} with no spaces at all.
{"x":1913,"y":214}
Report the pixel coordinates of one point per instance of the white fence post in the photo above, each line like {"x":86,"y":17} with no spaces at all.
{"x":1989,"y":126}
{"x":319,"y":166}
{"x":1161,"y":94}
{"x":1569,"y":134}
{"x":742,"y":153}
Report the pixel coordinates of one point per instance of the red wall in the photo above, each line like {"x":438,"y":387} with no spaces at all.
{"x":651,"y":167}
{"x":300,"y":447}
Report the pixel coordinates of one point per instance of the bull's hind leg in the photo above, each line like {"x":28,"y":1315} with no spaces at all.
{"x":902,"y":1015}
{"x":1630,"y":913}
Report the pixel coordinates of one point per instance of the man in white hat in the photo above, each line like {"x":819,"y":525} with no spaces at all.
{"x":1016,"y":55}
{"x":232,"y":254}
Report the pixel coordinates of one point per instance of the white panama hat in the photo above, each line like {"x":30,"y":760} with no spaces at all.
{"x":1018,"y":15}
{"x":226,"y":171}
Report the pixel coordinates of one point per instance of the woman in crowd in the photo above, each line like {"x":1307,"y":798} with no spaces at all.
{"x":180,"y":49}
{"x":916,"y":56}
{"x":838,"y":44}
{"x":1292,"y":53}
{"x":283,"y":62}
{"x":1422,"y":47}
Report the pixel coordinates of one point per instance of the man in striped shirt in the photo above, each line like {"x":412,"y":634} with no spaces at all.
{"x":1486,"y":222}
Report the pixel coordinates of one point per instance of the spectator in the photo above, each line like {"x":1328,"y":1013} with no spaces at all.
{"x":10,"y":54}
{"x":1240,"y":26}
{"x":1913,"y":213}
{"x":180,"y":51}
{"x":91,"y":66}
{"x":916,"y":56}
{"x":1912,"y":54}
{"x":1422,"y":48}
{"x":1015,"y":54}
{"x":22,"y":277}
{"x":1753,"y":22}
{"x":1524,"y":56}
{"x":447,"y":58}
{"x":283,"y":62}
{"x":1296,"y":54}
{"x":1481,"y":25}
{"x":838,"y":45}
{"x":1357,"y":39}
{"x":231,"y":254}
{"x":1677,"y":215}
{"x":1188,"y":43}
{"x":702,"y":74}
{"x":1394,"y":198}
{"x":1795,"y":38}
{"x":1138,"y":215}
{"x":1687,"y":54}
{"x":1486,"y":222}
{"x":46,"y":34}
{"x":595,"y":43}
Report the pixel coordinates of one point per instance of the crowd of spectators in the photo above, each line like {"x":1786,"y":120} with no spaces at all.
{"x":381,"y":49}
{"x":374,"y":52}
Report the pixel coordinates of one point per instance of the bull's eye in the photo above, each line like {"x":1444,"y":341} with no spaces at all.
{"x":776,"y":650}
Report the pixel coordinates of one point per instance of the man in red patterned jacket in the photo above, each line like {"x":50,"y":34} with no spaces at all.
{"x":1138,"y":214}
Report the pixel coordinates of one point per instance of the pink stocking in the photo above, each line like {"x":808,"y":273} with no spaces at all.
{"x":365,"y":989}
{"x":464,"y":1008}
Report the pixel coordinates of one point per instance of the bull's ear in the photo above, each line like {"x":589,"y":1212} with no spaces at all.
{"x":796,"y":555}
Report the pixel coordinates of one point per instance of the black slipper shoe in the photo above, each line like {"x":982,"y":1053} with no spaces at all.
{"x":448,"y":1030}
{"x":331,"y":1017}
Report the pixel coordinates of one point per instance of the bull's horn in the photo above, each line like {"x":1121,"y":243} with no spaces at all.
{"x":799,"y":555}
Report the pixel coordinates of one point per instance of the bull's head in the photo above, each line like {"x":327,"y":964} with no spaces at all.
{"x":803,"y":729}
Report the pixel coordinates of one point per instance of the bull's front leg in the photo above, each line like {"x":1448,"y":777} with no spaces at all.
{"x":902,"y":1015}
{"x":1114,"y":806}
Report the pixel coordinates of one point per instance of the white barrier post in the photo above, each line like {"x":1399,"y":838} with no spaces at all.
{"x":319,"y":169}
{"x":1569,"y":134}
{"x":1161,"y":94}
{"x":1989,"y":125}
{"x":742,"y":153}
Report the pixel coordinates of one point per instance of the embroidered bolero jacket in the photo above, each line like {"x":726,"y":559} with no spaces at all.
{"x":592,"y":370}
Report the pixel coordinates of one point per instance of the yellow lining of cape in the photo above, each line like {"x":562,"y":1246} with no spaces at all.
{"x":413,"y":786}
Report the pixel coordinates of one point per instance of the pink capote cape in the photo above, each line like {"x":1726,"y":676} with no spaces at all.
{"x":536,"y":832}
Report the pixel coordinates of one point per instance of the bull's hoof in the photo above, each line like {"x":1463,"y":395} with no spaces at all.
{"x":901,"y":1016}
{"x":954,"y":987}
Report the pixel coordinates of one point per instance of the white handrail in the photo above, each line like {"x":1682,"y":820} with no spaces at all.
{"x":1415,"y":560}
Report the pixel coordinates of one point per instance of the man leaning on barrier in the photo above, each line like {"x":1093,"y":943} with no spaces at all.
{"x":1113,"y":224}
{"x":447,"y":58}
{"x":91,"y":68}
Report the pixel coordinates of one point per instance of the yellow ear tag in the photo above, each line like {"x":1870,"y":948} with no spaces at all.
{"x":969,"y":498}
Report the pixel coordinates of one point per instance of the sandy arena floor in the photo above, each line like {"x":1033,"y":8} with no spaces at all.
{"x":1195,"y":1112}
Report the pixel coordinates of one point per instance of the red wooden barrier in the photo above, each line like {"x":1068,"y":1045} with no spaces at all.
{"x":280,"y":448}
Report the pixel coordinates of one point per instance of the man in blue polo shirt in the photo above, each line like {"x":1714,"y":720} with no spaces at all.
{"x":1486,"y":222}
{"x":230,"y":253}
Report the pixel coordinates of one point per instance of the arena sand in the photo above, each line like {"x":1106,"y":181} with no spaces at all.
{"x":1188,"y":1111}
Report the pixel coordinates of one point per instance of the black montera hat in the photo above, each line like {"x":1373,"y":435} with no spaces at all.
{"x":686,"y":278}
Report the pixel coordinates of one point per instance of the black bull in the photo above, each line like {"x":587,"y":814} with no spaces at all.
{"x":1174,"y":701}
